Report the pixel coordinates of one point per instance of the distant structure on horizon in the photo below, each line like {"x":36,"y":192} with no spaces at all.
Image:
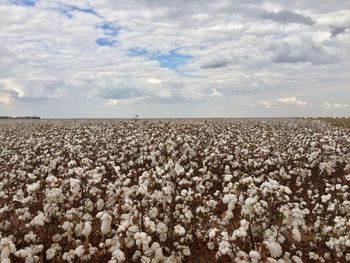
{"x":20,"y":117}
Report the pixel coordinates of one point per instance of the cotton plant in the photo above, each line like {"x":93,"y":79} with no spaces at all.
{"x":242,"y":191}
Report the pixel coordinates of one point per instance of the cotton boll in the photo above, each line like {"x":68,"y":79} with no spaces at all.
{"x":118,"y":255}
{"x":106,"y":221}
{"x":5,"y":252}
{"x":313,"y":255}
{"x":211,"y":245}
{"x":296,"y":259}
{"x":74,"y":186}
{"x":228,"y":177}
{"x":326,"y":198}
{"x":39,"y":220}
{"x":50,"y":253}
{"x":180,"y":230}
{"x":33,"y":187}
{"x":255,"y":256}
{"x":186,"y":252}
{"x":67,"y":257}
{"x":56,"y":238}
{"x":158,"y":253}
{"x":271,"y":260}
{"x":212,"y":233}
{"x":86,"y":229}
{"x":153,"y":212}
{"x":79,"y":251}
{"x":78,"y":229}
{"x":136,"y":255}
{"x":100,"y":204}
{"x":274,"y":248}
{"x":296,"y":234}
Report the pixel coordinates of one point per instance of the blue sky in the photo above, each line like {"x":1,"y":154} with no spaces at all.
{"x":65,"y":58}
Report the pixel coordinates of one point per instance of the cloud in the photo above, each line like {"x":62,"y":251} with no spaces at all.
{"x":285,"y":102}
{"x":216,"y":63}
{"x":155,"y":53}
{"x":291,"y":101}
{"x":154,"y":81}
{"x":288,"y":16}
{"x":301,"y":51}
{"x":337,"y":30}
{"x":117,"y":102}
{"x":335,"y":105}
{"x":215,"y":93}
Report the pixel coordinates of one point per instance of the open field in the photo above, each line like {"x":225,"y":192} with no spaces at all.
{"x":174,"y":191}
{"x":340,"y":122}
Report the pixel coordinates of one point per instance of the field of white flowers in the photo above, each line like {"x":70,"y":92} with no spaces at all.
{"x":174,"y":191}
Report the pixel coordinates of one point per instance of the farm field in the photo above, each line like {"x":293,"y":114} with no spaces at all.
{"x":174,"y":191}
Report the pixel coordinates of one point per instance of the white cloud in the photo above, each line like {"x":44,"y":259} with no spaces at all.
{"x":335,"y":105}
{"x":239,"y":53}
{"x":215,"y":93}
{"x":285,"y":102}
{"x":6,"y":99}
{"x":292,"y":101}
{"x":154,"y":81}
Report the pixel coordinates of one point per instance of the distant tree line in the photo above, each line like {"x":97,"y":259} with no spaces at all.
{"x":20,"y":117}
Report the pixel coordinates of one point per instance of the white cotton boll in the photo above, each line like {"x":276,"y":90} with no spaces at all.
{"x":296,"y":259}
{"x":56,"y":238}
{"x":180,"y":230}
{"x":106,"y":221}
{"x":255,"y":256}
{"x":186,"y":252}
{"x":228,"y":177}
{"x":347,"y":243}
{"x":274,"y":248}
{"x":67,"y":257}
{"x":78,"y":228}
{"x":86,"y":229}
{"x":212,"y":233}
{"x":296,"y":234}
{"x":5,"y":252}
{"x":158,"y":253}
{"x":145,"y":259}
{"x":179,"y":170}
{"x":211,"y":245}
{"x":271,"y":260}
{"x":136,"y":255}
{"x":33,"y":187}
{"x":153,"y":212}
{"x":313,"y":255}
{"x":129,"y":241}
{"x":50,"y":253}
{"x":118,"y":255}
{"x":39,"y":220}
{"x":30,"y":237}
{"x":325,"y":198}
{"x":229,"y":198}
{"x":6,"y":260}
{"x":100,"y":204}
{"x":79,"y":251}
{"x":74,"y":185}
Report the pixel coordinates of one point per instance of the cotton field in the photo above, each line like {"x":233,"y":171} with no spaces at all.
{"x":174,"y":191}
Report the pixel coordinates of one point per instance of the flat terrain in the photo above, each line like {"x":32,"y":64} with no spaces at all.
{"x":339,"y":122}
{"x":215,"y":190}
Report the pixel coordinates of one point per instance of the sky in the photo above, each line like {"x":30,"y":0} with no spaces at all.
{"x":162,"y":58}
